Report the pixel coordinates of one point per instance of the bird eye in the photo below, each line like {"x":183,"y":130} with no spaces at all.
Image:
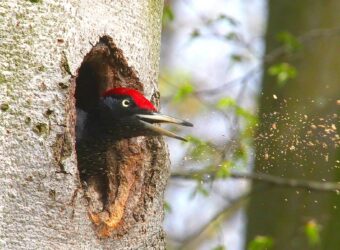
{"x":126,"y":103}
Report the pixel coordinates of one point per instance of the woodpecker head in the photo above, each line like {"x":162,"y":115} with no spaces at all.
{"x":126,"y":113}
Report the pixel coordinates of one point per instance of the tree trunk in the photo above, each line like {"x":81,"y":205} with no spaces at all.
{"x":42,"y":46}
{"x":297,"y":136}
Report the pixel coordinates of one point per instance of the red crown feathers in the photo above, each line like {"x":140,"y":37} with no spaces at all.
{"x":137,"y":97}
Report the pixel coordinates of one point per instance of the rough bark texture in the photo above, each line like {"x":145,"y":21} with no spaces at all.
{"x":41,"y":203}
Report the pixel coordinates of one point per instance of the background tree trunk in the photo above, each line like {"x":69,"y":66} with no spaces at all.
{"x":291,"y":140}
{"x":41,"y":202}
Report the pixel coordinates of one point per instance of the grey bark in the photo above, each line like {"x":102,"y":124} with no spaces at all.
{"x":40,"y":44}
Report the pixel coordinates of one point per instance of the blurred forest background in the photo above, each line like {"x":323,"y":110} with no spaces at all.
{"x":261,"y":82}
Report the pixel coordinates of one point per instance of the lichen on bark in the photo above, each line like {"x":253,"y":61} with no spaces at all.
{"x":38,"y":205}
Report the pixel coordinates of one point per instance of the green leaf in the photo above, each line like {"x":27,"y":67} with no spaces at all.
{"x":289,"y":41}
{"x":232,"y":36}
{"x":168,"y":15}
{"x":245,"y":114}
{"x":237,"y":57}
{"x":226,"y":102}
{"x":224,"y":170}
{"x":220,"y":247}
{"x":283,"y":72}
{"x":183,"y":91}
{"x":167,"y":207}
{"x":231,"y":20}
{"x":312,"y":231}
{"x":195,"y":33}
{"x":261,"y":243}
{"x":241,"y":153}
{"x":200,"y":189}
{"x":200,"y":149}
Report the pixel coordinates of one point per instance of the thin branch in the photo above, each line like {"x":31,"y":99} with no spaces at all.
{"x":270,"y":179}
{"x":287,"y":182}
{"x":218,"y":89}
{"x":207,"y":230}
{"x":194,"y":239}
{"x":270,"y":57}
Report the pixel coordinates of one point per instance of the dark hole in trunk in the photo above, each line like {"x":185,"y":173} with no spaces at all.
{"x":91,"y":154}
{"x":103,"y":67}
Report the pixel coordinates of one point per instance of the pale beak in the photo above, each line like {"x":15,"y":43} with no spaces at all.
{"x":148,"y":119}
